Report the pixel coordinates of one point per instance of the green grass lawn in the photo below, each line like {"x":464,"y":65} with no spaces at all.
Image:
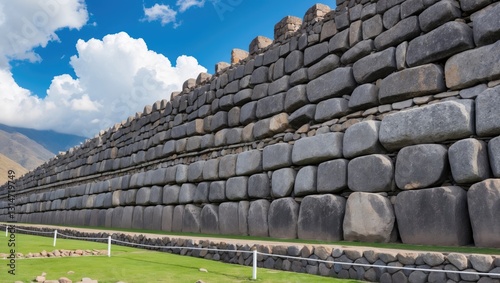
{"x":132,"y":265}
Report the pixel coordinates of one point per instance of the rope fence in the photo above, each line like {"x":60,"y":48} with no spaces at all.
{"x":254,"y":253}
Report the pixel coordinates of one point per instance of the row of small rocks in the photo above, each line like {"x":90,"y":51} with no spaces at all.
{"x":59,"y":253}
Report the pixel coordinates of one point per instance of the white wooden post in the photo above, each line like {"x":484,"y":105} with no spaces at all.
{"x":55,"y":237}
{"x":254,"y":271}
{"x":109,"y":246}
{"x":6,"y":233}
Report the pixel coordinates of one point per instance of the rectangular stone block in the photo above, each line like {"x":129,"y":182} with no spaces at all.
{"x":333,"y":84}
{"x":406,"y":29}
{"x":277,"y":156}
{"x":375,"y":66}
{"x":316,"y":149}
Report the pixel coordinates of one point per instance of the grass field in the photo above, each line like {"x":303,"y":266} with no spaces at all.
{"x":132,"y":265}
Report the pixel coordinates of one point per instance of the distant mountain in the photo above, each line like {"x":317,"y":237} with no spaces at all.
{"x":7,"y":164}
{"x":23,"y":150}
{"x":52,"y":141}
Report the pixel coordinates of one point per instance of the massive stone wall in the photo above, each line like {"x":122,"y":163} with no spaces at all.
{"x":376,"y":121}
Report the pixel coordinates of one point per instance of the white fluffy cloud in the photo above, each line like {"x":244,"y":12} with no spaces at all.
{"x":160,"y":12}
{"x":186,"y":4}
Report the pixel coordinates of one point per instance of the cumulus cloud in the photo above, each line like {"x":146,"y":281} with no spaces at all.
{"x":186,"y":4}
{"x":160,"y":12}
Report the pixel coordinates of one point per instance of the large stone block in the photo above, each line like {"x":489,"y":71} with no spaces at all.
{"x":243,"y":207}
{"x":201,"y":193}
{"x":438,"y":122}
{"x":316,"y":149}
{"x":494,"y":154}
{"x":296,"y":97}
{"x":277,"y":156}
{"x":138,"y":217}
{"x":219,"y":121}
{"x":331,"y":108}
{"x":421,"y":166}
{"x":321,"y":218}
{"x":257,"y":218}
{"x":438,"y":14}
{"x":332,"y":84}
{"x":236,"y":188}
{"x":211,"y":169}
{"x":404,"y":30}
{"x":142,"y":197}
{"x":371,"y":173}
{"x":249,"y":162}
{"x":209,"y":219}
{"x":470,"y":67}
{"x":305,"y":182}
{"x":304,"y":115}
{"x":181,"y":174}
{"x":364,"y":96}
{"x":171,"y":194}
{"x":372,"y":27}
{"x":283,"y":218}
{"x":156,"y":195}
{"x":469,"y":161}
{"x":332,"y":176}
{"x":282,"y":182}
{"x":186,"y":193}
{"x":446,"y":40}
{"x":436,"y":216}
{"x":412,"y":82}
{"x":486,"y":26}
{"x":217,"y":191}
{"x":268,"y":127}
{"x":195,"y":171}
{"x":375,"y":66}
{"x":191,"y":220}
{"x":247,"y":113}
{"x":270,"y":105}
{"x":487,"y":114}
{"x":329,"y":63}
{"x":369,"y":218}
{"x":228,"y":218}
{"x":362,"y":139}
{"x":357,"y":52}
{"x":314,"y":53}
{"x":484,"y":207}
{"x":227,"y":166}
{"x":294,"y":61}
{"x":259,"y":186}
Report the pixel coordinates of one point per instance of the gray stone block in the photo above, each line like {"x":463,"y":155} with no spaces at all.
{"x":473,"y":5}
{"x":487,"y":114}
{"x":277,"y":156}
{"x":304,"y":115}
{"x":404,"y":30}
{"x":243,"y":207}
{"x":211,"y":169}
{"x":142,"y":197}
{"x":355,"y":33}
{"x":371,"y":173}
{"x":257,"y":218}
{"x":191,"y":220}
{"x":195,"y":171}
{"x":294,"y":61}
{"x":298,"y":77}
{"x":296,"y":97}
{"x":357,"y":52}
{"x":219,"y":121}
{"x":375,"y":66}
{"x":233,"y":117}
{"x":138,"y":217}
{"x":228,"y":218}
{"x":436,"y":216}
{"x":249,"y":162}
{"x":201,"y":193}
{"x":209,"y":219}
{"x":362,"y":139}
{"x":331,"y":108}
{"x":247,"y":113}
{"x":316,"y":149}
{"x":469,"y":161}
{"x":438,"y":14}
{"x":315,"y":53}
{"x":270,"y":105}
{"x":329,"y":63}
{"x":486,"y":26}
{"x":259,"y":76}
{"x":177,"y":218}
{"x":332,"y":176}
{"x":156,"y":195}
{"x":321,"y":218}
{"x":236,"y":188}
{"x":443,"y":42}
{"x":332,"y":84}
{"x":227,"y":166}
{"x":413,"y":82}
{"x":339,"y":43}
{"x":217,"y":191}
{"x":484,"y":207}
{"x":283,"y":218}
{"x":372,"y":27}
{"x":392,"y":16}
{"x":260,"y":91}
{"x":494,"y":154}
{"x":421,"y":166}
{"x":243,"y":96}
{"x":342,"y":20}
{"x":283,"y":181}
{"x":411,"y":7}
{"x":186,"y":193}
{"x":259,"y":186}
{"x":364,"y":96}
{"x":270,"y":126}
{"x":378,"y":227}
{"x":127,"y":216}
{"x":181,"y":174}
{"x":306,"y":180}
{"x":438,"y":122}
{"x":469,"y":67}
{"x":279,"y":85}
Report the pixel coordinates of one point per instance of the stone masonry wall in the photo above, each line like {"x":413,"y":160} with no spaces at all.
{"x":376,"y":121}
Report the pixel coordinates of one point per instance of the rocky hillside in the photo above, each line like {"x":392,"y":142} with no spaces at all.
{"x":26,"y":152}
{"x":7,"y":164}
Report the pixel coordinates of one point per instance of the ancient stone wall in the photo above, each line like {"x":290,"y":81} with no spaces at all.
{"x":376,"y":121}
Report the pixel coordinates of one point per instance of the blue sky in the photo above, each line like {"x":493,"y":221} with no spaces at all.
{"x":161,"y":42}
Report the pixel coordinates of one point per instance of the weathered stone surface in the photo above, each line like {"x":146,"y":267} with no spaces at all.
{"x":247,"y":113}
{"x":355,"y":33}
{"x":421,"y":166}
{"x":357,"y":52}
{"x":283,"y":181}
{"x":372,"y":27}
{"x":195,"y":171}
{"x":484,"y":207}
{"x":191,"y":221}
{"x":268,"y":127}
{"x":211,"y":169}
{"x":333,"y":84}
{"x":412,"y":82}
{"x":402,"y":31}
{"x":481,"y":263}
{"x":436,"y":216}
{"x":375,"y":66}
{"x":236,"y":188}
{"x":486,"y":26}
{"x":219,"y":121}
{"x":209,"y":219}
{"x":186,"y":193}
{"x":142,"y":197}
{"x":494,"y":154}
{"x":321,"y":218}
{"x":282,"y":218}
{"x":257,"y":218}
{"x":259,"y":186}
{"x":392,"y":16}
{"x":328,"y":30}
{"x":260,"y":91}
{"x":434,"y":123}
{"x":217,"y":191}
{"x":314,"y":53}
{"x":249,"y":162}
{"x":171,"y":194}
{"x":368,"y":218}
{"x":459,"y":261}
{"x":228,"y":218}
{"x":227,"y":166}
{"x":201,"y":193}
{"x":331,"y":108}
{"x":138,"y":218}
{"x":411,"y":7}
{"x":469,"y":67}
{"x":329,"y":63}
{"x":469,"y":161}
{"x":305,"y":182}
{"x":371,"y":173}
{"x":294,"y":61}
{"x":243,"y":207}
{"x":487,"y":114}
{"x":332,"y":176}
{"x":279,"y":85}
{"x":438,"y":14}
{"x":270,"y":105}
{"x":302,"y":116}
{"x":444,"y":41}
{"x":259,"y":76}
{"x":364,"y":96}
{"x":339,"y":42}
{"x":362,"y":139}
{"x":296,"y":97}
{"x":317,"y":149}
{"x":277,"y":156}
